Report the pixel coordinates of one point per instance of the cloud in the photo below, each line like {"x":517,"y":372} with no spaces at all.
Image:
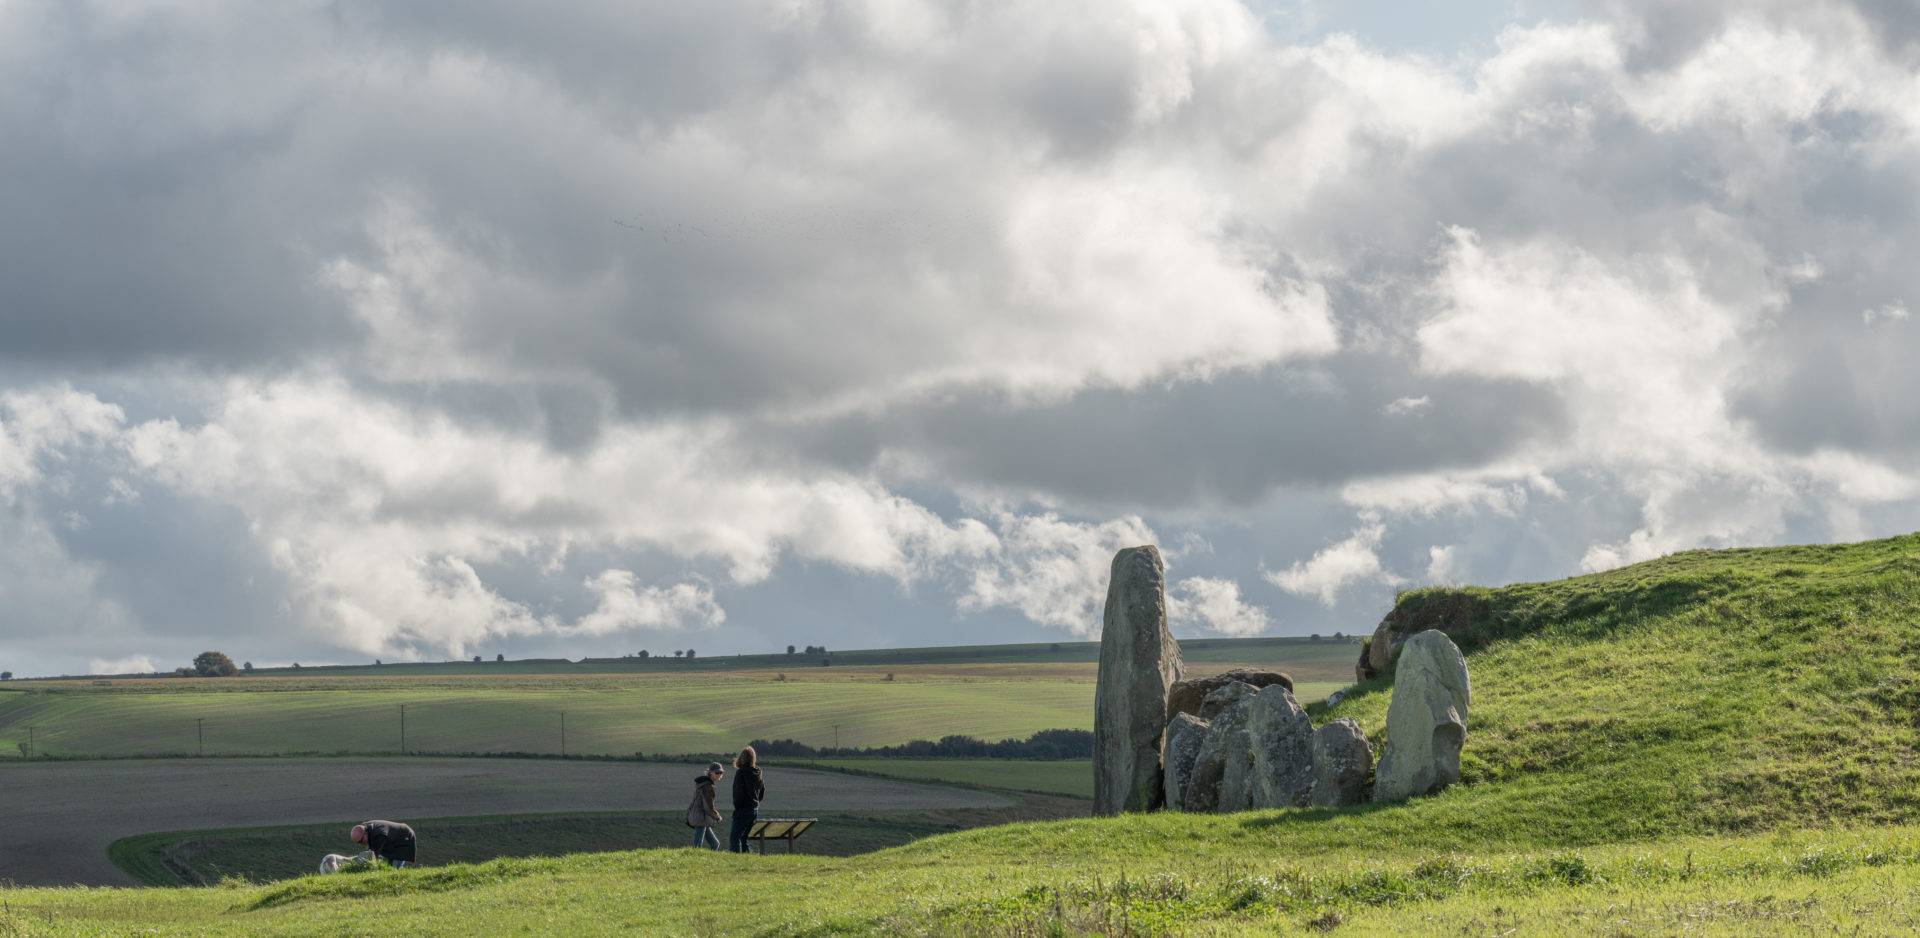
{"x":1352,"y":561}
{"x":418,"y":327}
{"x":1214,"y":604}
{"x":135,"y":664}
{"x":622,"y":607}
{"x":1053,"y":571}
{"x":1443,"y":566}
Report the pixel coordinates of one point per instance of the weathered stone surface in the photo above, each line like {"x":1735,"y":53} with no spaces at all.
{"x":1185,"y":735}
{"x":1139,"y":663}
{"x":1227,"y":744}
{"x":1377,"y":653}
{"x":1426,"y":720}
{"x":1342,"y":759}
{"x":1281,"y":740}
{"x":1187,"y":696}
{"x":1222,"y":697}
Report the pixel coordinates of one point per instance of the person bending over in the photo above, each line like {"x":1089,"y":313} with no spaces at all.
{"x":391,"y":841}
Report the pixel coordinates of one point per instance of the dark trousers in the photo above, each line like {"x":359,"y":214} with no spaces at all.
{"x":742,"y":825}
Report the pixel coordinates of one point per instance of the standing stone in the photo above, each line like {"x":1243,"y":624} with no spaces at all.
{"x":1185,"y":735}
{"x":1139,"y":662}
{"x":1281,"y":739}
{"x":1426,"y":721}
{"x":1342,"y":757}
{"x":1186,"y":696}
{"x":1227,"y":746}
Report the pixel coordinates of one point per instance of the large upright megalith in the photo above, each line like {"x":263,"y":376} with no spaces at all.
{"x":1139,"y":663}
{"x":1282,"y":740}
{"x":1426,"y":721}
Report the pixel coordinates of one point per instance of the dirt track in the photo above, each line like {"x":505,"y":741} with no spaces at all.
{"x":59,"y":817}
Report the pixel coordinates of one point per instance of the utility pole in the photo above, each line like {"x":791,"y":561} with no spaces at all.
{"x":563,"y":734}
{"x":200,"y":727}
{"x":403,"y":729}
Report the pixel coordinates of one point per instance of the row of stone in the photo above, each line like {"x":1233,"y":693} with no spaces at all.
{"x":1254,"y":747}
{"x":1241,"y":741}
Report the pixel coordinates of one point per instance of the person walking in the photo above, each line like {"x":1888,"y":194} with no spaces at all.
{"x":748,"y":792}
{"x":702,"y":814}
{"x":391,"y":841}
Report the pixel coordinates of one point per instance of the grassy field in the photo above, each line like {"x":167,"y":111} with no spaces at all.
{"x":1713,"y":743}
{"x":652,"y":706}
{"x":601,"y":716}
{"x":1071,"y":777}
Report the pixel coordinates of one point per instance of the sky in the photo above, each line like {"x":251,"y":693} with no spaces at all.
{"x":335,"y":331}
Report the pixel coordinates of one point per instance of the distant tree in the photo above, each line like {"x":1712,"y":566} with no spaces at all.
{"x":679,"y":654}
{"x":789,"y":649}
{"x":376,"y":662}
{"x":1338,"y":635}
{"x":1314,"y":637}
{"x":689,"y":652}
{"x":214,"y":664}
{"x":185,"y":672}
{"x":499,"y":657}
{"x":296,"y":666}
{"x":476,"y":659}
{"x":643,"y":652}
{"x":6,"y":675}
{"x":247,"y":667}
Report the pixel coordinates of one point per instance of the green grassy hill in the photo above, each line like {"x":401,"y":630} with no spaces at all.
{"x":1714,"y":743}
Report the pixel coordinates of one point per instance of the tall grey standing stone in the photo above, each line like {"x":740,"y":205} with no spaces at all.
{"x":1227,"y":753}
{"x":1185,"y":734}
{"x":1342,"y":757}
{"x":1139,"y":663}
{"x":1281,"y":739}
{"x":1426,"y":721}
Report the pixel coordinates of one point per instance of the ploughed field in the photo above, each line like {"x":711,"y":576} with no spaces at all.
{"x":60,"y":817}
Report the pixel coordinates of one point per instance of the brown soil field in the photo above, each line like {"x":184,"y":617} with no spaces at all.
{"x":59,"y":817}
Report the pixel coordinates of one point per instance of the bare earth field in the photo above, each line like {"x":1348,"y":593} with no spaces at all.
{"x":59,"y":817}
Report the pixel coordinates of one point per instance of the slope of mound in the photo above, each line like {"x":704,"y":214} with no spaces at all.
{"x":1702,"y":692}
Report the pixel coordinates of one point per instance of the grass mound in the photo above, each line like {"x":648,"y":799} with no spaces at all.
{"x":1709,"y":691}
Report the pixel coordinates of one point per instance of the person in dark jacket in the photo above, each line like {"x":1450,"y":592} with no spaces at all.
{"x":705,"y":811}
{"x":748,"y":792}
{"x":391,"y":841}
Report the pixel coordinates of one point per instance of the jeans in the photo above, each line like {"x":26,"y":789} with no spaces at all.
{"x":703,"y":837}
{"x":742,"y":825}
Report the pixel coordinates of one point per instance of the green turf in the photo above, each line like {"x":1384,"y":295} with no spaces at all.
{"x":1717,"y":742}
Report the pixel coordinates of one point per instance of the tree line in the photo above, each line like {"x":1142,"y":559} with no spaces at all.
{"x":1043,"y":745}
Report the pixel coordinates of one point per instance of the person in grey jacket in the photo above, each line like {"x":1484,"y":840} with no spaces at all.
{"x":703,"y":809}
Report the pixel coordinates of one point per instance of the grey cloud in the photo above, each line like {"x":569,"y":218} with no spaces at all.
{"x":1227,"y":442}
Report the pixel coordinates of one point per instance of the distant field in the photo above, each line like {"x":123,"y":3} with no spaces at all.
{"x":600,"y":717}
{"x":1071,"y":777}
{"x":628,"y":705}
{"x":1290,"y":654}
